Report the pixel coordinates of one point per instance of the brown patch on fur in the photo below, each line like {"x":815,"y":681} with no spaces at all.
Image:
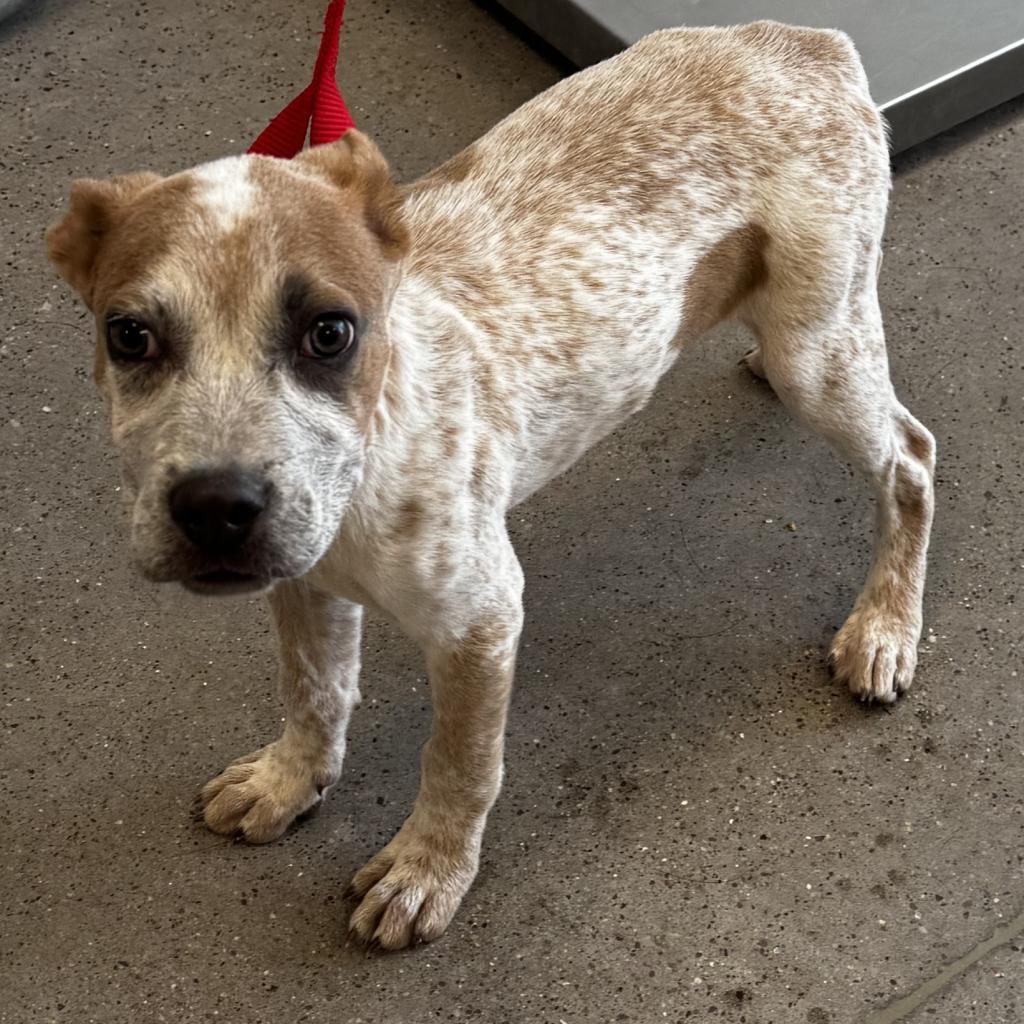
{"x":909,"y":492}
{"x":555,"y":356}
{"x":355,"y":165}
{"x":913,"y":495}
{"x":450,"y":440}
{"x":330,"y":229}
{"x":481,"y":468}
{"x":457,"y":168}
{"x":801,"y":45}
{"x":342,"y":228}
{"x":113,"y":232}
{"x":392,"y":391}
{"x":836,"y":382}
{"x":919,"y":443}
{"x":488,"y":324}
{"x":443,"y":559}
{"x":895,"y":589}
{"x":232,"y":267}
{"x":409,"y":518}
{"x":470,"y":687}
{"x":449,"y":246}
{"x":723,"y":277}
{"x":872,"y":119}
{"x":493,"y":401}
{"x":75,"y":242}
{"x":484,"y":381}
{"x":321,"y":233}
{"x":139,"y":239}
{"x":477,"y":647}
{"x":369,"y":375}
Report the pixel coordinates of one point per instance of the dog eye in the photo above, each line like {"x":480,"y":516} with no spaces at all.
{"x":129,"y":340}
{"x":328,"y":336}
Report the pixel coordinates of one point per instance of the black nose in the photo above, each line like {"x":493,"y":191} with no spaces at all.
{"x":217,"y":508}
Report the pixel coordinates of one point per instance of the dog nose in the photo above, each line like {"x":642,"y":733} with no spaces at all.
{"x":217,"y":508}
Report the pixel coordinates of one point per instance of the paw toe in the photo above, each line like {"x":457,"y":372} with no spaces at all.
{"x":369,"y":875}
{"x":410,"y":891}
{"x":265,"y":821}
{"x":875,"y":657}
{"x":225,"y":811}
{"x":257,"y":797}
{"x":395,"y":928}
{"x":363,"y":923}
{"x":753,"y":361}
{"x":433,"y":919}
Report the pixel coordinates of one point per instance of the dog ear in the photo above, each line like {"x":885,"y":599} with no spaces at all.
{"x":355,"y":164}
{"x":74,"y":242}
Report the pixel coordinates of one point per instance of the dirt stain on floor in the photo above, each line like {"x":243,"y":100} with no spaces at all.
{"x":903,"y":1007}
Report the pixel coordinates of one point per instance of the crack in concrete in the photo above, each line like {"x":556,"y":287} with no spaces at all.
{"x":903,"y":1007}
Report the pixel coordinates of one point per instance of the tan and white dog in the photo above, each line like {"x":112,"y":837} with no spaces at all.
{"x":333,"y":389}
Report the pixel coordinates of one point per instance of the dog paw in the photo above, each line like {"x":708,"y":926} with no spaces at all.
{"x":257,"y":797}
{"x":754,"y":362}
{"x":875,"y":654}
{"x":410,"y":891}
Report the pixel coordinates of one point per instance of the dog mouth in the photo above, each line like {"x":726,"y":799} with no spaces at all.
{"x":225,"y":581}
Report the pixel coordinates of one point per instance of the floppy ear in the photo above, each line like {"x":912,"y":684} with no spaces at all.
{"x":355,"y":164}
{"x":74,"y":242}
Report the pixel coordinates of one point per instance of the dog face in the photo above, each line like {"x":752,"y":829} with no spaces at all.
{"x":240,"y":311}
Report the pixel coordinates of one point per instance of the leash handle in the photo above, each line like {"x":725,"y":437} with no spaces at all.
{"x":318,"y":108}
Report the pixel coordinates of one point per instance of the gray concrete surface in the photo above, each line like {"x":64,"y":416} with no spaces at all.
{"x":696,"y":825}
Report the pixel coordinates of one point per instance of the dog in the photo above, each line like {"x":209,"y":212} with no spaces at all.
{"x":331,"y":388}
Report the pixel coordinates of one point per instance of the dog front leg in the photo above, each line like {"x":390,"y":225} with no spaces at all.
{"x":260,"y":795}
{"x":412,"y":888}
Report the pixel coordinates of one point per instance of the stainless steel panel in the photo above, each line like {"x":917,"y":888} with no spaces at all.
{"x":931,"y":63}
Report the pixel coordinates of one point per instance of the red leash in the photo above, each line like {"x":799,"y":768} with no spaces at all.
{"x":319,"y":107}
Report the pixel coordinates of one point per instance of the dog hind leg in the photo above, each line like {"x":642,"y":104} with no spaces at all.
{"x":834,"y":376}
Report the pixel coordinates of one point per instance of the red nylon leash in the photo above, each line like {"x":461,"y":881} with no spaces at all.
{"x":319,"y":107}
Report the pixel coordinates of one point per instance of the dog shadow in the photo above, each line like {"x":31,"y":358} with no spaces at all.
{"x":658,"y":625}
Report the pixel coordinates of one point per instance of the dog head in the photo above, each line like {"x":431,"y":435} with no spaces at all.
{"x":240,"y":310}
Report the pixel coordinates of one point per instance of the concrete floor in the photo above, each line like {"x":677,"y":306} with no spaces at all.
{"x":696,"y":824}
